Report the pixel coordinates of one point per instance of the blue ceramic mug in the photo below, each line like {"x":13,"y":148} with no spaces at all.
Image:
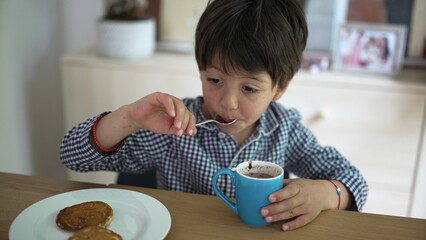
{"x":253,"y":184}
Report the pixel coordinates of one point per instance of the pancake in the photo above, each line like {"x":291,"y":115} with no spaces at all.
{"x":79,"y":216}
{"x":95,"y":233}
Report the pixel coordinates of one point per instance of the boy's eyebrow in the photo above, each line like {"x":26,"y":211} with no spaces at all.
{"x":217,"y":68}
{"x":255,"y":78}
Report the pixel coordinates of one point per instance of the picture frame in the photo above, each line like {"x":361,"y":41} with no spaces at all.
{"x":373,"y":48}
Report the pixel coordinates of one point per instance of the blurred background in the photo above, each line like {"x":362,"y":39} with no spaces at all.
{"x":38,"y":37}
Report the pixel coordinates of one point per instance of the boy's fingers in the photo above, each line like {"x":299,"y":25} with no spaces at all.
{"x":300,"y":221}
{"x":282,"y":206}
{"x":180,"y":109}
{"x":191,"y":129}
{"x":174,"y":130}
{"x":185,"y":120}
{"x":168,"y":103}
{"x":285,"y":193}
{"x":286,"y":214}
{"x":287,"y":181}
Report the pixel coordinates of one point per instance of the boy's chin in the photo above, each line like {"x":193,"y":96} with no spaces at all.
{"x":237,"y":127}
{"x":229,"y":128}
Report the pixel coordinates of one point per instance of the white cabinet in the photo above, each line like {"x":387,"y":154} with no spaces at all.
{"x":376,"y":125}
{"x":377,"y":122}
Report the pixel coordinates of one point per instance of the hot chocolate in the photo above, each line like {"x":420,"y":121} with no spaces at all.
{"x":258,"y":175}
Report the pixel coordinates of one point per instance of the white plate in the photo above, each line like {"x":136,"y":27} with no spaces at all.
{"x":136,"y":215}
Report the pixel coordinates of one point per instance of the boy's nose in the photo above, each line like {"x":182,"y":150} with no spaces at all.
{"x":229,"y":100}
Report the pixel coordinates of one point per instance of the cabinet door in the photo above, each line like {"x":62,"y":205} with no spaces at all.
{"x":377,"y":130}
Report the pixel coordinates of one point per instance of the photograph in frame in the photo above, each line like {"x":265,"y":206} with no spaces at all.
{"x":375,"y":48}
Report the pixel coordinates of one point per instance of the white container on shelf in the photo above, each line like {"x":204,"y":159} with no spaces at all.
{"x":131,"y":40}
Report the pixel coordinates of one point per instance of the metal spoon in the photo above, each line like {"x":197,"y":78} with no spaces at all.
{"x":215,"y":121}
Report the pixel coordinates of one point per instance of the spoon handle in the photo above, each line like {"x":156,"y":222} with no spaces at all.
{"x":204,"y":122}
{"x":215,"y":121}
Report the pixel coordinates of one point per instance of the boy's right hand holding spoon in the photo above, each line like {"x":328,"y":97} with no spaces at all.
{"x":157,"y":112}
{"x":162,"y":113}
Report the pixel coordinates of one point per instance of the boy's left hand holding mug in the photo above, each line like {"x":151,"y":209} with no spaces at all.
{"x":303,"y":200}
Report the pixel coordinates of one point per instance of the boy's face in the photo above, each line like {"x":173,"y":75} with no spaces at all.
{"x":237,"y":95}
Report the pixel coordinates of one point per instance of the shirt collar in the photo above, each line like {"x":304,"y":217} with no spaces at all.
{"x":267,"y":122}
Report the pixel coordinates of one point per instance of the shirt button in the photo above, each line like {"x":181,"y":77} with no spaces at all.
{"x":221,"y":135}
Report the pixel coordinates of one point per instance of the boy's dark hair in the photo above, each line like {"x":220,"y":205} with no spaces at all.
{"x":256,"y":35}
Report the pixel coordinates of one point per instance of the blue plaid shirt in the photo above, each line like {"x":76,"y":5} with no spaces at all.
{"x":187,"y":163}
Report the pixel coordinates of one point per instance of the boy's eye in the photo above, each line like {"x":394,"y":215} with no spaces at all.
{"x":213,"y":80}
{"x":249,"y":89}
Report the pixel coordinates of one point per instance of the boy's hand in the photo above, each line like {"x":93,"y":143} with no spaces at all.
{"x":162,"y":113}
{"x":301,"y":199}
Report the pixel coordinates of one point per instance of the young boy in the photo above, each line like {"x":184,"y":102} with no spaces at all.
{"x":247,"y":52}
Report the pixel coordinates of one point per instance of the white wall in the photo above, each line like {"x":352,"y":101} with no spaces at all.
{"x":33,"y":36}
{"x":324,"y":19}
{"x":418,"y":30}
{"x":79,"y":23}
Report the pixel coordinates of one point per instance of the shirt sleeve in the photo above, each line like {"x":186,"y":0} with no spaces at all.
{"x":306,"y":158}
{"x":138,"y":153}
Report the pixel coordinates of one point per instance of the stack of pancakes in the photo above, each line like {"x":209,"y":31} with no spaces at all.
{"x":89,"y":220}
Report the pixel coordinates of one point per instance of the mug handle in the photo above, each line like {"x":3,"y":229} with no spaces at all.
{"x":231,"y":174}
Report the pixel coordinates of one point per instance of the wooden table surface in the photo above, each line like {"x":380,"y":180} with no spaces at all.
{"x":197,"y":216}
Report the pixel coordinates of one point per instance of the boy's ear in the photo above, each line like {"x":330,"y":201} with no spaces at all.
{"x":280,"y":92}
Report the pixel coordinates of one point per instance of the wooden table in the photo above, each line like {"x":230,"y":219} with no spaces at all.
{"x":207,"y":217}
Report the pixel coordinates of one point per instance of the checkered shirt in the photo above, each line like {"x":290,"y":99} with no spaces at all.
{"x":187,"y":163}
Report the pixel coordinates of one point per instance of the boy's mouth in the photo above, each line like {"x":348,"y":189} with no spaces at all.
{"x":224,"y":120}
